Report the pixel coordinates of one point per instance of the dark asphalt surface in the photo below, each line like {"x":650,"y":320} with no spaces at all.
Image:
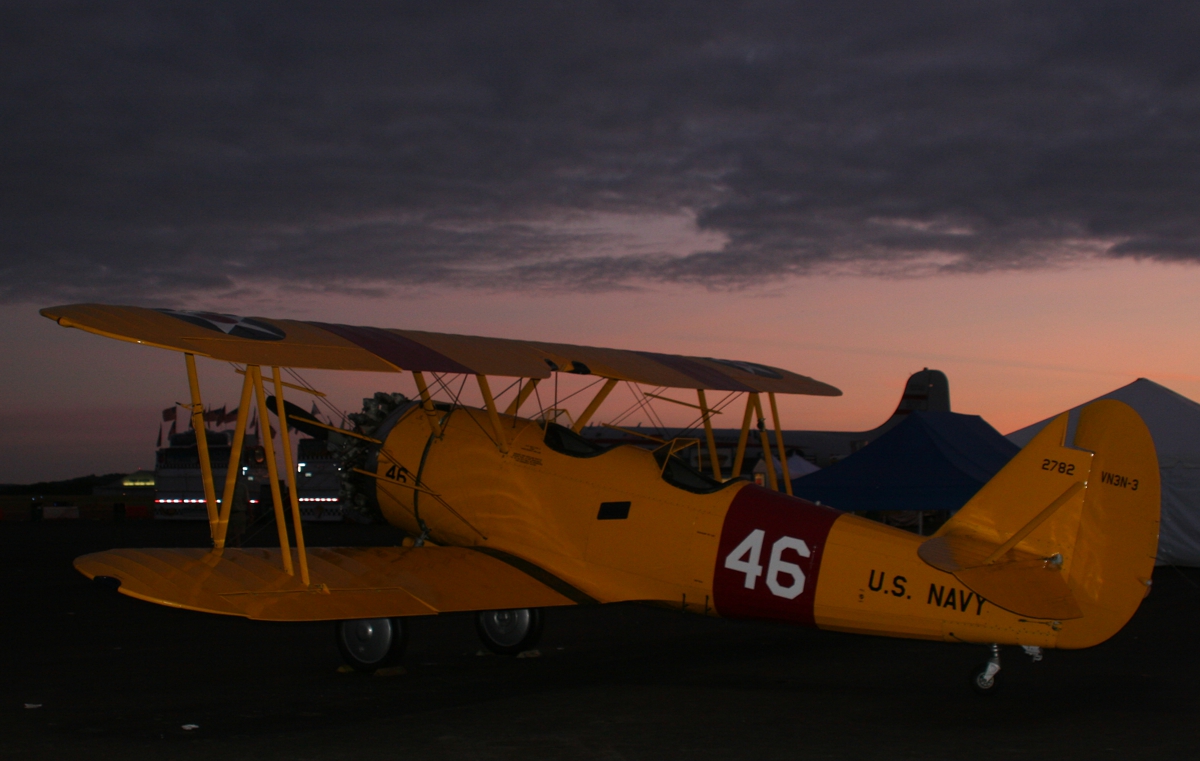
{"x":117,"y":678}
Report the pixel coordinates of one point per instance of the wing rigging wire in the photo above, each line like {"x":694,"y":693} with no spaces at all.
{"x":541,"y":409}
{"x":641,"y":401}
{"x":332,"y":408}
{"x":698,"y":423}
{"x":538,"y":397}
{"x":637,"y":403}
{"x":456,"y":400}
{"x":652,"y":413}
{"x":593,"y":384}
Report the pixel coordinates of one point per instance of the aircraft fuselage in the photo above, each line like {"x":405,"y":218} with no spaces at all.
{"x":608,"y":524}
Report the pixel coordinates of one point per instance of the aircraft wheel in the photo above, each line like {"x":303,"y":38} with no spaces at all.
{"x":983,"y":680}
{"x":508,"y":632}
{"x":369,"y":644}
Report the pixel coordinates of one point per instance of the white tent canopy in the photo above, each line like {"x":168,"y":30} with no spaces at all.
{"x":1174,"y":423}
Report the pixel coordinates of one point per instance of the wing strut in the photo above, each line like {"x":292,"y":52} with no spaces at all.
{"x":493,"y":415}
{"x":198,"y":425}
{"x":708,"y":434}
{"x":426,"y":402}
{"x":787,"y":476}
{"x":235,"y":460}
{"x":293,"y":497}
{"x":522,"y":395}
{"x":285,"y":550}
{"x":741,"y":447}
{"x":601,"y":395}
{"x":765,"y":443}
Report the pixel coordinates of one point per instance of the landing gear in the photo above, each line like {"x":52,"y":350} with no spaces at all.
{"x":369,"y":644}
{"x":983,"y":681}
{"x":508,"y":632}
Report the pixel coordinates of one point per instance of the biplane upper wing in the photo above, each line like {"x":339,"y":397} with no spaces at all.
{"x":328,"y":346}
{"x":347,"y":582}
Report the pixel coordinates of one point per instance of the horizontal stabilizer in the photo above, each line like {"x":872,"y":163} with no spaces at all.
{"x":347,"y":582}
{"x":1034,"y":585}
{"x":1023,"y":582}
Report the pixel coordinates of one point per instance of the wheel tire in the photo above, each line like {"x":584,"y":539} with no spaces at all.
{"x":982,"y":684}
{"x":369,"y":644}
{"x":508,"y":632}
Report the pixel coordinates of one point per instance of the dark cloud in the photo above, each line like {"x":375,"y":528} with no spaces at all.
{"x":154,"y":150}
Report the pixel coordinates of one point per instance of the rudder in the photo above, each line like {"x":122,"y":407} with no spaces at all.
{"x":1118,"y":534}
{"x":925,"y":391}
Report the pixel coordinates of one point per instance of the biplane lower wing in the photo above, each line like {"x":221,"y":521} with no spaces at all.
{"x":347,"y":582}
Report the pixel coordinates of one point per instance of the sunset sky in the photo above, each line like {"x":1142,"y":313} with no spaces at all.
{"x":1007,"y":192}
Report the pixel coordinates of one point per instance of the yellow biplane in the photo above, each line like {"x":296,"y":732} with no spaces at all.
{"x":513,"y":513}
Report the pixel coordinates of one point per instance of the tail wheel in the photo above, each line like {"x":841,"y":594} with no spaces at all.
{"x":368,"y":644}
{"x":983,"y":679}
{"x":508,"y":632}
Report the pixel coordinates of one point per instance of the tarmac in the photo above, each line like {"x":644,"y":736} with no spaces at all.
{"x":91,"y":674}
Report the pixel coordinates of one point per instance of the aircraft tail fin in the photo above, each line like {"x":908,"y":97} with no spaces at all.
{"x":925,"y":391}
{"x":1064,"y":533}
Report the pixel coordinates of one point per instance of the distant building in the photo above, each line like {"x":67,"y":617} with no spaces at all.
{"x":179,"y":486}
{"x":318,"y":482}
{"x":135,"y":487}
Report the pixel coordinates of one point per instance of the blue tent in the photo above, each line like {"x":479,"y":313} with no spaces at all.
{"x":931,"y":461}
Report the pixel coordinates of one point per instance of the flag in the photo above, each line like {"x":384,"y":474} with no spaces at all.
{"x":315,"y":411}
{"x":159,"y":444}
{"x":171,"y":432}
{"x":215,"y":416}
{"x":169,"y":414}
{"x":230,"y":417}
